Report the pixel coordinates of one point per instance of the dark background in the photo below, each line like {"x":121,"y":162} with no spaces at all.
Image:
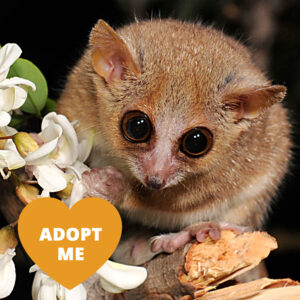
{"x":53,"y":35}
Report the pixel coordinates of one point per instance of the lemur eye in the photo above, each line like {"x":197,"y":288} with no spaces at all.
{"x":196,"y":142}
{"x":136,"y":127}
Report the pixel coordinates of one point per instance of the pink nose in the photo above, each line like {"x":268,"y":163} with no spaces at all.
{"x":155,"y":182}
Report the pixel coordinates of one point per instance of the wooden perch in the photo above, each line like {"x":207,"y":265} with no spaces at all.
{"x":260,"y":289}
{"x":195,"y":272}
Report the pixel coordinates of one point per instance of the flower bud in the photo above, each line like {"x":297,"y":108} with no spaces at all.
{"x":7,"y":238}
{"x":66,"y":192}
{"x":25,"y":143}
{"x":27,"y":193}
{"x":2,"y":142}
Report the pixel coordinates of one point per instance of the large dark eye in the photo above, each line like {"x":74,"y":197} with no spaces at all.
{"x":196,"y":142}
{"x":136,"y":127}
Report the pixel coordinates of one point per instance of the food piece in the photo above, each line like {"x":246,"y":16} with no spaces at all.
{"x":212,"y":262}
{"x":260,"y":289}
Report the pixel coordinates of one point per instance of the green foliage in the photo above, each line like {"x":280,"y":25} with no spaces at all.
{"x":17,"y":121}
{"x":36,"y":100}
{"x":50,"y":106}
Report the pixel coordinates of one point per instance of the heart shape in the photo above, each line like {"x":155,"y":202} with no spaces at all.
{"x":47,"y":225}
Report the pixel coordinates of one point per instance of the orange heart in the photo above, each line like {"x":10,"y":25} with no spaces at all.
{"x":48,"y":229}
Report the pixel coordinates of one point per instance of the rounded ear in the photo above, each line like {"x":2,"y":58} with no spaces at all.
{"x":249,"y":103}
{"x":110,"y":55}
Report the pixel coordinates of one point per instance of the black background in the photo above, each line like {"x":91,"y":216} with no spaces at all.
{"x":53,"y":35}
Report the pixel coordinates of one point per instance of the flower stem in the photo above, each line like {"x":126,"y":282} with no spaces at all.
{"x":7,"y":137}
{"x":13,"y":224}
{"x":30,"y":181}
{"x":16,"y":178}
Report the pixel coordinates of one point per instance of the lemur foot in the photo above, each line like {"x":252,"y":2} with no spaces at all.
{"x":171,"y":242}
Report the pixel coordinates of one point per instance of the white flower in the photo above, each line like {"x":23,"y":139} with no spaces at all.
{"x":85,"y":145}
{"x":7,"y":273}
{"x":50,"y":177}
{"x":116,"y":278}
{"x":77,"y":169}
{"x":13,"y":91}
{"x":48,"y":139}
{"x":45,"y":288}
{"x":79,"y":188}
{"x":9,"y":156}
{"x":59,"y":149}
{"x":11,"y":160}
{"x":67,"y":146}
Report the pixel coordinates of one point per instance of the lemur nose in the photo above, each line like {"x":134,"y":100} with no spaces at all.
{"x":154,"y":182}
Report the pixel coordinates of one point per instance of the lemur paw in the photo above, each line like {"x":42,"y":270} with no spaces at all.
{"x":135,"y":249}
{"x":171,"y":242}
{"x":106,"y":183}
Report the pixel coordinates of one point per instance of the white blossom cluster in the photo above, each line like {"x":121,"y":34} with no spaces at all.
{"x":55,"y":157}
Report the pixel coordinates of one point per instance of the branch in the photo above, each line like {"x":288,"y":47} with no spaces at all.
{"x":197,"y":270}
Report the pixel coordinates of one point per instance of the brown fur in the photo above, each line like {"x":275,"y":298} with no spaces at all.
{"x":182,"y":76}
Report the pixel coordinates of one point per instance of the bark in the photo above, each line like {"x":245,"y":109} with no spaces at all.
{"x":193,"y":272}
{"x":162,"y":282}
{"x":190,"y":273}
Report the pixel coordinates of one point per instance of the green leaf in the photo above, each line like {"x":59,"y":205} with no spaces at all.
{"x":17,"y":121}
{"x":50,"y":106}
{"x":36,"y":100}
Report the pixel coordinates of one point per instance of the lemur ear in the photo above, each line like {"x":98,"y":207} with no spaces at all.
{"x":249,"y":103}
{"x":110,"y":55}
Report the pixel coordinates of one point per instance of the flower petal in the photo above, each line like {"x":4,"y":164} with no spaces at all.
{"x":10,"y":145}
{"x":7,"y":279}
{"x":78,"y":168}
{"x":13,"y":93}
{"x":44,"y":194}
{"x":7,"y":273}
{"x":77,"y":194}
{"x":109,"y":287}
{"x":68,"y":143}
{"x":34,"y":268}
{"x":43,"y":287}
{"x":47,"y":290}
{"x":50,"y":136}
{"x":8,"y":55}
{"x":6,"y":257}
{"x":4,"y":118}
{"x":67,"y":154}
{"x":16,"y":81}
{"x":85,"y":146}
{"x":10,"y":159}
{"x":50,"y":177}
{"x":77,"y":293}
{"x":123,"y":277}
{"x":9,"y":130}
